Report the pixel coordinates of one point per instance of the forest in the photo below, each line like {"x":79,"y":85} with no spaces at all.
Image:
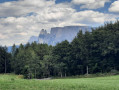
{"x":88,"y":53}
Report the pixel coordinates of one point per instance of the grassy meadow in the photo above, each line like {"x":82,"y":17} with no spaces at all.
{"x":14,"y":82}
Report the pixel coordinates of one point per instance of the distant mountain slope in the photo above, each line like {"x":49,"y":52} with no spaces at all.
{"x":9,"y":48}
{"x":58,"y":34}
{"x":32,"y":39}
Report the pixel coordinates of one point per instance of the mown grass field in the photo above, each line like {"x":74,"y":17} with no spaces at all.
{"x":13,"y":82}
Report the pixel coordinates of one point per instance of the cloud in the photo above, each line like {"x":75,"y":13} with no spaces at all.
{"x":23,"y":7}
{"x":90,"y":17}
{"x":28,"y":18}
{"x":90,"y":4}
{"x":114,"y":7}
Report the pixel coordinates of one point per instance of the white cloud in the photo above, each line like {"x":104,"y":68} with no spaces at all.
{"x":22,"y":7}
{"x":83,"y":1}
{"x":114,"y":7}
{"x":2,"y":36}
{"x":90,"y":4}
{"x":90,"y":17}
{"x":17,"y":26}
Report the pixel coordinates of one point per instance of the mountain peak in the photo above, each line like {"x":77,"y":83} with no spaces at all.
{"x":59,"y":34}
{"x":43,"y":32}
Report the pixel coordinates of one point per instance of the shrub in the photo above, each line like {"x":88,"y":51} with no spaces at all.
{"x":20,"y":76}
{"x":114,"y":72}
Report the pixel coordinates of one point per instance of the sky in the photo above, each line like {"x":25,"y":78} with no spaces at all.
{"x":21,"y":19}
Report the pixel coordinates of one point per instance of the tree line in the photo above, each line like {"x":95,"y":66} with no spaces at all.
{"x":88,"y":53}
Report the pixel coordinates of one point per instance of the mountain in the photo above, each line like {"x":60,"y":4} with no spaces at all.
{"x":9,"y":48}
{"x":58,"y":34}
{"x":32,"y":39}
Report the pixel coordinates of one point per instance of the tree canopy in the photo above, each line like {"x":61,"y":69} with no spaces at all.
{"x":88,"y":53}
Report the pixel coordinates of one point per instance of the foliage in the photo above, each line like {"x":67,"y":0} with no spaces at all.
{"x":88,"y":53}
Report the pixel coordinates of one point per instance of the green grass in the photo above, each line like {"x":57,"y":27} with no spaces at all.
{"x":12,"y":82}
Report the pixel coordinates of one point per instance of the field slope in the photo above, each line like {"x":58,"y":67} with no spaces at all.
{"x":12,"y":82}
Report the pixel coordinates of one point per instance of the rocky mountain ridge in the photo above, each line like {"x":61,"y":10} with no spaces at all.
{"x":58,"y":34}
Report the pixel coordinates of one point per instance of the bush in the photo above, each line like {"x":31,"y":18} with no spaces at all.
{"x":114,"y":72}
{"x":20,"y":76}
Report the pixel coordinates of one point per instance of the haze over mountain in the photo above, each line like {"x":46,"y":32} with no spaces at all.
{"x":58,"y":34}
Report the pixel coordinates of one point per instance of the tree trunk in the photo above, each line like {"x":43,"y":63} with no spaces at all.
{"x":87,"y":70}
{"x":65,"y":74}
{"x":35,"y":73}
{"x":61,"y":74}
{"x":5,"y":65}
